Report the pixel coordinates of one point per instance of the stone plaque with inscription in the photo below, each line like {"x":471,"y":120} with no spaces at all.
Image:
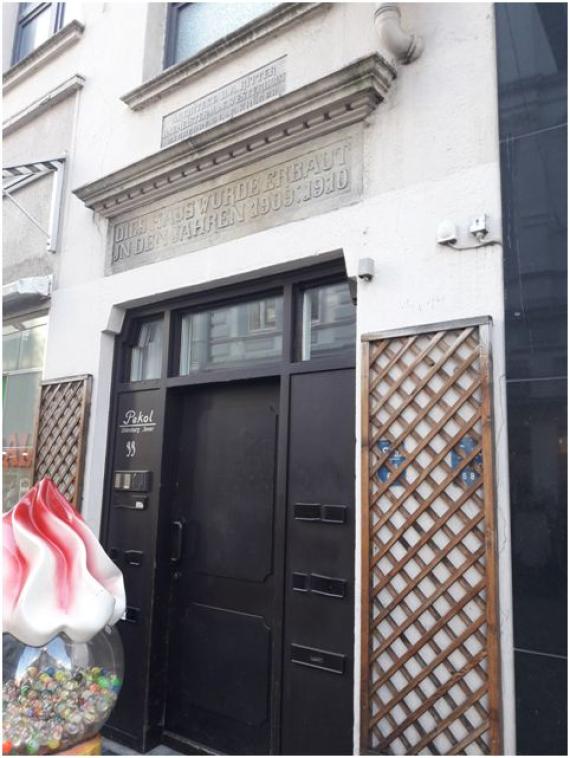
{"x":312,"y":178}
{"x":241,"y":95}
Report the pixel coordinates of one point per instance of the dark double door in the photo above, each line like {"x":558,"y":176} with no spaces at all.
{"x":261,"y":540}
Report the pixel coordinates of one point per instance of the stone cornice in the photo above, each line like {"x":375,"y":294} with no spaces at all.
{"x":51,"y":48}
{"x":182,"y":73}
{"x":339,"y":99}
{"x":35,"y":109}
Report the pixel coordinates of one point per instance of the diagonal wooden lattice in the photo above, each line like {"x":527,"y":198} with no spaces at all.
{"x":60,"y":434}
{"x":430,"y":681}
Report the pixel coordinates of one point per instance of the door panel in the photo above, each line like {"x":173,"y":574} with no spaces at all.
{"x":317,"y":712}
{"x":138,"y":432}
{"x":228,"y":654}
{"x":222,"y":586}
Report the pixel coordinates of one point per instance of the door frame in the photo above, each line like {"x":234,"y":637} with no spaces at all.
{"x":149,"y":732}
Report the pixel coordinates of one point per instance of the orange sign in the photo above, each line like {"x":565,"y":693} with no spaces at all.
{"x":17,"y":451}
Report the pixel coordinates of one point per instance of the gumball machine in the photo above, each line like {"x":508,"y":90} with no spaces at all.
{"x":62,"y":655}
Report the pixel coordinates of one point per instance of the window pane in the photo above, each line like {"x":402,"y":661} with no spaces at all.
{"x":21,"y":398}
{"x":10,"y":351}
{"x":35,"y":31}
{"x":23,"y":343}
{"x":237,"y":334}
{"x":328,"y":320}
{"x":32,"y":352}
{"x":200,"y":24}
{"x":21,"y":393}
{"x":146,"y":355}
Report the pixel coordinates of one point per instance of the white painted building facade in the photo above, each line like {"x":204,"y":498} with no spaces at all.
{"x":95,"y":94}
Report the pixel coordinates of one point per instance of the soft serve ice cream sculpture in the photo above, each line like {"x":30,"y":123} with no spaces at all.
{"x":57,"y":580}
{"x":57,"y":577}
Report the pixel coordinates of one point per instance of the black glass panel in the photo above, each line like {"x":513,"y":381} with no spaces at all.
{"x":541,"y":704}
{"x":538,"y":481}
{"x":531,"y":53}
{"x":534,"y":216}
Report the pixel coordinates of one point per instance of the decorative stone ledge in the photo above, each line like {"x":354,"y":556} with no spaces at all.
{"x":47,"y":51}
{"x":337,"y":100}
{"x":182,"y":73}
{"x":42,"y":104}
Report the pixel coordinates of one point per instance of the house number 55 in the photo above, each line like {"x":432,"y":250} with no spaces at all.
{"x":131,"y":449}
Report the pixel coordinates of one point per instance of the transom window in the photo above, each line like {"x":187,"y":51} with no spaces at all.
{"x":146,"y":353}
{"x":295,"y":323}
{"x":36,"y":23}
{"x":194,"y":26}
{"x":236,"y":334}
{"x":328,"y":320}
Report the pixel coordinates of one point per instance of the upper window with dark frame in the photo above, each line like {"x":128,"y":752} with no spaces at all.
{"x":194,"y":26}
{"x":145,"y":355}
{"x":36,"y":23}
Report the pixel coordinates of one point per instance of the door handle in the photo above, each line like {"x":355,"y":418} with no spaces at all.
{"x":176,"y":543}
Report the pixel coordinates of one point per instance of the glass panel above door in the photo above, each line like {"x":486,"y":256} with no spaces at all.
{"x":237,"y":334}
{"x":328,"y":320}
{"x":146,"y":353}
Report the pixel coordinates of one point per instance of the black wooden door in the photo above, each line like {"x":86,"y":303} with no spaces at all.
{"x":221,"y":545}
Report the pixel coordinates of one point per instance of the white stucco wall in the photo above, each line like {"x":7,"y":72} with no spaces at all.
{"x":430,"y":152}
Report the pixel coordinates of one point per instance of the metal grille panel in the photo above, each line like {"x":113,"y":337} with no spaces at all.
{"x":430,"y":650}
{"x":60,"y":434}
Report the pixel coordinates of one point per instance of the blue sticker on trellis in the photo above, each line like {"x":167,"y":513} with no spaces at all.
{"x":467,"y":445}
{"x":395,"y":460}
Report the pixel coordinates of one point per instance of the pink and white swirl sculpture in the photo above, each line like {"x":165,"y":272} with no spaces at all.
{"x":56,"y":576}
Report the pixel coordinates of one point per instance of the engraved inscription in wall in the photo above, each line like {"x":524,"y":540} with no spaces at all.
{"x":225,"y":103}
{"x":293,"y":185}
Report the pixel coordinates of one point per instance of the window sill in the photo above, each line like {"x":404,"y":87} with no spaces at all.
{"x":51,"y":48}
{"x":182,"y":73}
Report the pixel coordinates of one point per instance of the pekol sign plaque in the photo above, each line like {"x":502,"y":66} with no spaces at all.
{"x":241,"y":95}
{"x":315,"y":177}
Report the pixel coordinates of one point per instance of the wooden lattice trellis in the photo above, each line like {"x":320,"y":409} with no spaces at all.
{"x":430,"y":655}
{"x":60,"y":433}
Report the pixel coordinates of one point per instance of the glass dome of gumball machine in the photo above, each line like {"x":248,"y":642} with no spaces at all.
{"x":58,"y":695}
{"x":62,"y":656}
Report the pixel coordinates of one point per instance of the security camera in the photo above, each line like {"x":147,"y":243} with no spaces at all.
{"x":446,"y":232}
{"x":366,"y":269}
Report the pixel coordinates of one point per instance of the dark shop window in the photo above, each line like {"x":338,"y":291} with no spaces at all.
{"x":194,"y":26}
{"x":36,"y":23}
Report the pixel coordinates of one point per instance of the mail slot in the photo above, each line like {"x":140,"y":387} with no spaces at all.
{"x":328,"y":585}
{"x":327,"y":514}
{"x":320,"y":585}
{"x":318,"y":659}
{"x":333,"y":514}
{"x":133,"y":557}
{"x":308,"y":511}
{"x":300,"y":582}
{"x":137,"y":504}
